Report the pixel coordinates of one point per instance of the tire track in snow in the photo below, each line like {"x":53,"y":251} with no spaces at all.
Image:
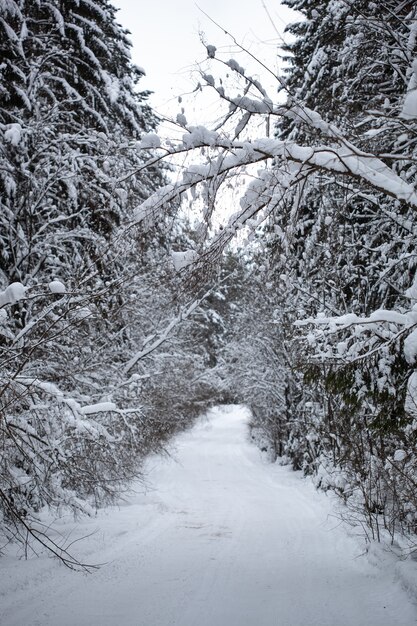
{"x":221,"y":539}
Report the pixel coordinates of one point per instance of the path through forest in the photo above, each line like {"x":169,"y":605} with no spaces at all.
{"x":220,"y":538}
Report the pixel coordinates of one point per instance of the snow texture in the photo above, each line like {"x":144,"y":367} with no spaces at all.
{"x":181,"y":260}
{"x":410,"y":347}
{"x":13,"y":293}
{"x":409,"y":110}
{"x":13,"y":134}
{"x":101,"y":407}
{"x":220,"y":538}
{"x":181,"y":119}
{"x":411,"y":397}
{"x":151,"y":140}
{"x":56,"y":286}
{"x":200,"y":136}
{"x":400,"y":455}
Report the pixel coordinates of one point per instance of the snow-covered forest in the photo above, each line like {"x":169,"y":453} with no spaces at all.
{"x":121,"y":321}
{"x":101,"y":362}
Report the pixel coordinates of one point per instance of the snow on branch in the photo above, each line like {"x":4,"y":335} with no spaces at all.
{"x":162,"y":337}
{"x":399,"y":325}
{"x":12,"y":294}
{"x":234,"y":155}
{"x":379,"y":316}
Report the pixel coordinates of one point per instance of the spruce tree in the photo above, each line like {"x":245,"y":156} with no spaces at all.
{"x":74,"y":279}
{"x":348,"y":248}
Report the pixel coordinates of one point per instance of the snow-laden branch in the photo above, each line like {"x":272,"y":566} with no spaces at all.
{"x":234,"y":155}
{"x":350,"y":319}
{"x":146,"y":350}
{"x":404,"y":325}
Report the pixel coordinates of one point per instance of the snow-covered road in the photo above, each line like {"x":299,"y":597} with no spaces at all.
{"x":221,"y":538}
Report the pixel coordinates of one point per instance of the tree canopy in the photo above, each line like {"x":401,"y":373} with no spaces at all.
{"x":332,"y":205}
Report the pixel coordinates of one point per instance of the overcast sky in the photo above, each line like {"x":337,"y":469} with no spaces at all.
{"x":166,"y":41}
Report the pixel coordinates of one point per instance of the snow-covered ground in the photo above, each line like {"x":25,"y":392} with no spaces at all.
{"x":220,"y":538}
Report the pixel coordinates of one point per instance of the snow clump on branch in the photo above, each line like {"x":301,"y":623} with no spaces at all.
{"x":149,"y":141}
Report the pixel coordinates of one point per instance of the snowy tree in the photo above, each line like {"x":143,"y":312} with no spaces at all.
{"x":336,"y":191}
{"x":355,"y":63}
{"x":85,"y":301}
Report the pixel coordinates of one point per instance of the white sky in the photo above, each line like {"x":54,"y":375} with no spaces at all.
{"x":166,"y":42}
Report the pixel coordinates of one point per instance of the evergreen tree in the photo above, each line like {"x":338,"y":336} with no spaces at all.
{"x":352,"y":63}
{"x":337,"y":193}
{"x":82,"y":293}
